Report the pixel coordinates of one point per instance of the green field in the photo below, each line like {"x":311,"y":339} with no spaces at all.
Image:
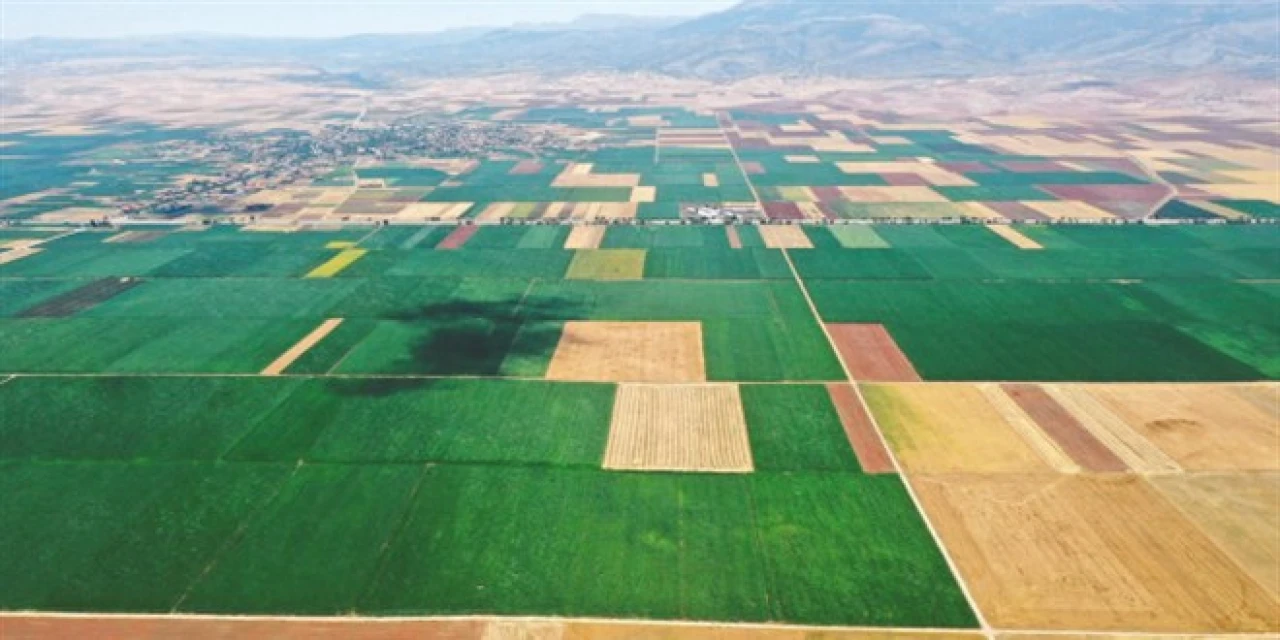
{"x":415,"y":460}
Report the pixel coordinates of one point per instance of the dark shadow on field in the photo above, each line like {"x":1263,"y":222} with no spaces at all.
{"x":470,"y":338}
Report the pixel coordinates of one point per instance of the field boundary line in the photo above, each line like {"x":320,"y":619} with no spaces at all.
{"x":893,"y":457}
{"x":1154,"y":175}
{"x":235,"y":537}
{"x":371,"y":233}
{"x":689,"y":624}
{"x":7,"y":379}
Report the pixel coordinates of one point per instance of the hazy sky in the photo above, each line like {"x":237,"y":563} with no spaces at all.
{"x":108,"y":18}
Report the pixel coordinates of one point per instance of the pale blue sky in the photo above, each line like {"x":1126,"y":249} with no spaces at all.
{"x":84,"y":18}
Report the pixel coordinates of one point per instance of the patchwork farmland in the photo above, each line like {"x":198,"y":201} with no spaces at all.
{"x":891,"y":426}
{"x":528,"y":395}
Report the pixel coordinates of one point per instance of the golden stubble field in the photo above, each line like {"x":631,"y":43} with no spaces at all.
{"x":1184,"y":538}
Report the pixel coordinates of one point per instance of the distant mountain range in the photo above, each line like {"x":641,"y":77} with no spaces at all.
{"x":891,"y":38}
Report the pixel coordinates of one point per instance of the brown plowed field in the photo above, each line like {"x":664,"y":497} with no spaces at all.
{"x":19,"y":627}
{"x":23,"y":627}
{"x":1203,"y":427}
{"x":866,"y":443}
{"x":678,"y":428}
{"x":81,"y":298}
{"x":526,"y":167}
{"x":1071,"y":436}
{"x":1083,"y":552}
{"x":629,"y":352}
{"x":583,"y":237}
{"x":1240,"y":512}
{"x":785,"y":237}
{"x":948,"y":428}
{"x":871,"y":353}
{"x":458,"y":237}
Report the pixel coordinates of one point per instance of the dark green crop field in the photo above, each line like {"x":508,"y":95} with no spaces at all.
{"x":162,"y":447}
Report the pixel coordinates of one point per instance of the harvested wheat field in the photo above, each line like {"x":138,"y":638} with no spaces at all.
{"x":629,"y":352}
{"x":871,"y":354}
{"x":1203,"y":427}
{"x":287,"y":358}
{"x":584,"y":237}
{"x":949,"y":428}
{"x":1015,"y":237}
{"x":1239,"y":511}
{"x":606,"y":264}
{"x":678,"y":428}
{"x":784,"y":237}
{"x":1137,"y":452}
{"x":1088,"y":553}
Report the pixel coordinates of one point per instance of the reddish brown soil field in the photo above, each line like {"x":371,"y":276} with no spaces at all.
{"x":104,"y":628}
{"x":1065,"y":430}
{"x":458,"y":237}
{"x":80,"y":299}
{"x":735,"y":241}
{"x":1016,"y":211}
{"x":827,"y":194}
{"x":867,"y":446}
{"x":525,"y":167}
{"x":871,"y":354}
{"x":783,"y":211}
{"x":753,"y":168}
{"x":904,"y":179}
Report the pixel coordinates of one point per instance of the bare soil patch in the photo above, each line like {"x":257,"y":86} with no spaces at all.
{"x":629,"y":352}
{"x":1064,"y":429}
{"x":871,"y":353}
{"x":458,"y":237}
{"x":866,"y":443}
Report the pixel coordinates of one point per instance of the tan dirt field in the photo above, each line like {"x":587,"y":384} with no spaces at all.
{"x":872,"y":457}
{"x":1139,"y":453}
{"x":710,"y":180}
{"x":310,"y":340}
{"x":1082,"y":552}
{"x":629,"y":352}
{"x":802,"y":159}
{"x":644,"y":194}
{"x":580,"y":175}
{"x":1015,"y":237}
{"x":891,"y":194}
{"x":678,"y":428}
{"x":1064,"y":429}
{"x":442,"y":210}
{"x":1203,"y":427}
{"x":871,"y":354}
{"x":948,"y":428}
{"x":735,"y":240}
{"x":1239,"y":511}
{"x":584,"y":237}
{"x":1049,"y":451}
{"x":13,"y":255}
{"x":1060,"y":209}
{"x":784,"y":237}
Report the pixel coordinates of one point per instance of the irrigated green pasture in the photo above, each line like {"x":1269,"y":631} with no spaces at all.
{"x":415,"y":460}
